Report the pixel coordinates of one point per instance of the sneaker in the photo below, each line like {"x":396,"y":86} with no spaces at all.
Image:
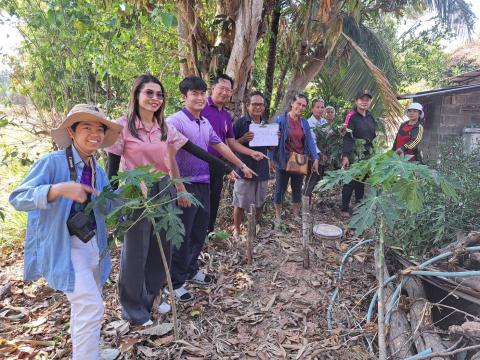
{"x":147,"y":323}
{"x":181,"y":294}
{"x":164,"y":308}
{"x":109,"y":354}
{"x":201,"y":278}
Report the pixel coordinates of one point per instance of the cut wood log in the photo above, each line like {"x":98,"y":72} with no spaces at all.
{"x":471,"y":239}
{"x":399,"y":336}
{"x":421,"y":318}
{"x":468,"y":328}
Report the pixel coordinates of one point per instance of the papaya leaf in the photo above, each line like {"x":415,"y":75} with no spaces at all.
{"x":170,"y":224}
{"x":365,"y":213}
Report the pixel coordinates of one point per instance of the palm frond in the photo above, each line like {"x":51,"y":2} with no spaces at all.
{"x":454,"y":14}
{"x":356,"y":78}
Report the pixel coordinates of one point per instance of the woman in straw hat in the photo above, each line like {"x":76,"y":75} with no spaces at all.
{"x":62,"y":244}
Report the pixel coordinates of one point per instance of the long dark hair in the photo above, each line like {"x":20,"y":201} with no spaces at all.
{"x":133,"y":111}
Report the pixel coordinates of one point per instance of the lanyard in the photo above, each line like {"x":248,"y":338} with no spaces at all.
{"x":73,"y":172}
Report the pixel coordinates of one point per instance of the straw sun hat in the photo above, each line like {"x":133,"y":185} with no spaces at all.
{"x":85,"y":112}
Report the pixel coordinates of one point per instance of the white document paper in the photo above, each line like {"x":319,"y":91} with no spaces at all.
{"x":264,"y":135}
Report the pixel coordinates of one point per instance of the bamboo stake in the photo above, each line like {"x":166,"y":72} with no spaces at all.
{"x":306,"y":230}
{"x":169,"y":282}
{"x":251,"y":233}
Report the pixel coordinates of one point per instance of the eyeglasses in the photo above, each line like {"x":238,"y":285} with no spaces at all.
{"x":223,"y":88}
{"x":154,"y":94}
{"x":257,"y":104}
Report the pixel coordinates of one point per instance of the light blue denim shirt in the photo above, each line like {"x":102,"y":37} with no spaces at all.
{"x":47,"y":243}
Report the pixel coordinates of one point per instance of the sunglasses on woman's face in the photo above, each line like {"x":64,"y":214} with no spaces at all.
{"x":154,"y":94}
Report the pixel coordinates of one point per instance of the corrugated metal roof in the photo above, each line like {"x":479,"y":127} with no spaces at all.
{"x":466,"y":78}
{"x":443,"y":91}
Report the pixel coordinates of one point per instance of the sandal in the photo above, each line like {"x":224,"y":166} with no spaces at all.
{"x":201,"y":278}
{"x":181,"y":294}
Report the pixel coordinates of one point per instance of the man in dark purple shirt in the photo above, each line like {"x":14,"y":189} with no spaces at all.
{"x":221,"y":121}
{"x":198,"y":130}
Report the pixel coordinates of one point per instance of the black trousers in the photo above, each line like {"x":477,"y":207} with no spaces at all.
{"x":195,"y":220}
{"x":216,"y":186}
{"x":348,"y":190}
{"x":142,"y":275}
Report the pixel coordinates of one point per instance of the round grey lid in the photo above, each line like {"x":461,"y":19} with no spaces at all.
{"x":328,"y":231}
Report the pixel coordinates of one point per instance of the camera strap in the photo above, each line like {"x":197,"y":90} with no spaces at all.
{"x":71,"y":163}
{"x":71,"y":166}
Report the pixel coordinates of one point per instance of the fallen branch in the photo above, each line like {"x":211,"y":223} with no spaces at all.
{"x":420,"y":317}
{"x":448,"y":353}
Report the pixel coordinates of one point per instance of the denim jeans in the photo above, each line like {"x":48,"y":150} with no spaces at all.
{"x":281,"y":182}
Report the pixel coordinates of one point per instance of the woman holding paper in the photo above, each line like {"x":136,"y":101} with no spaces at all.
{"x":291,"y":156}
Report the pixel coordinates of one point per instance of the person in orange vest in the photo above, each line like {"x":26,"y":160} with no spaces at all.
{"x":410,"y":133}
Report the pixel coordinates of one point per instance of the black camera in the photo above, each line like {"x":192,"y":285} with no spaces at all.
{"x":80,"y":225}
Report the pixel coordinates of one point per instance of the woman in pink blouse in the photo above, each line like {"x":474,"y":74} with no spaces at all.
{"x":147,"y":139}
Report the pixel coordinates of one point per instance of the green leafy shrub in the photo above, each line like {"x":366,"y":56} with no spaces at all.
{"x":439,"y":221}
{"x":395,"y":197}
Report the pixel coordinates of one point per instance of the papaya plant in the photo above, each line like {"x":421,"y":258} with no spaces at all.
{"x":129,"y":191}
{"x":395,"y":190}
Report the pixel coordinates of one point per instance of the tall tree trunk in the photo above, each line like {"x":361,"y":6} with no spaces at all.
{"x":241,"y":58}
{"x":195,"y":36}
{"x":281,"y":83}
{"x":301,"y":77}
{"x":272,"y":55}
{"x":186,"y":59}
{"x":328,"y":24}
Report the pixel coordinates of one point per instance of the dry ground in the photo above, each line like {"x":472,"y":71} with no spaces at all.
{"x":273,"y":309}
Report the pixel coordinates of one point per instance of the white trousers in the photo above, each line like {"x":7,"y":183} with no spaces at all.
{"x":86,"y":304}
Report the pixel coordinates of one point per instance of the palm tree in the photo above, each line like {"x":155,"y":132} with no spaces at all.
{"x":330,"y":28}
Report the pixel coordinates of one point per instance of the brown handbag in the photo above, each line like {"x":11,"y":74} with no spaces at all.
{"x":297,"y":164}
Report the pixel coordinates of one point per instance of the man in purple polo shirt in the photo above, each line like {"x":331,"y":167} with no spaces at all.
{"x":198,"y":130}
{"x":221,"y":122}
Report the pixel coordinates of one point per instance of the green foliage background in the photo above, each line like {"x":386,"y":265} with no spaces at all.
{"x":81,"y":51}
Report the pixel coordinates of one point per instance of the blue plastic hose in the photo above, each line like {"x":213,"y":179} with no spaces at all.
{"x":334,"y":295}
{"x":420,"y":354}
{"x":393,"y":299}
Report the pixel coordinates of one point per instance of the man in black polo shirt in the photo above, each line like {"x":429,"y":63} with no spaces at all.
{"x":254,"y":190}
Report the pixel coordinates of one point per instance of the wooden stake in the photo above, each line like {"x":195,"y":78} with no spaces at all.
{"x":252,"y":233}
{"x":306,"y":230}
{"x":176,"y":333}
